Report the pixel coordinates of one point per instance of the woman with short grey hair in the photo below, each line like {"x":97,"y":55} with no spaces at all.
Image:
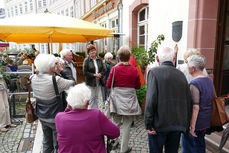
{"x":184,"y":68}
{"x":81,"y":130}
{"x":202,"y":94}
{"x":108,"y":64}
{"x":47,"y":106}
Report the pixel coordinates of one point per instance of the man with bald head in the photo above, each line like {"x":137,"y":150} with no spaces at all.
{"x":168,"y":104}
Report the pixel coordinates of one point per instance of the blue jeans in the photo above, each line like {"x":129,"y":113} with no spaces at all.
{"x":192,"y":144}
{"x":169,"y":140}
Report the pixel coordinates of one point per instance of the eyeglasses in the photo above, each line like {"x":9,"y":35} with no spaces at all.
{"x":93,"y":50}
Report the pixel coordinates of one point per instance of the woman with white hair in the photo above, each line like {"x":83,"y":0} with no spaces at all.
{"x":202,"y":94}
{"x":184,"y":68}
{"x":108,"y":64}
{"x":47,"y":105}
{"x":82,"y":130}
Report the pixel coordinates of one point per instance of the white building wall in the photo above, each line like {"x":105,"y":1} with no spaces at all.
{"x":62,"y":7}
{"x":162,"y":14}
{"x":126,"y":20}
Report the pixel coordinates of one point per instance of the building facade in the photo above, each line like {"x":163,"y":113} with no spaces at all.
{"x":22,"y":7}
{"x":187,"y":23}
{"x":104,"y":13}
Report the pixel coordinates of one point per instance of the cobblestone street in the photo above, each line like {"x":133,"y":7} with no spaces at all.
{"x":18,"y":139}
{"x":21,"y":139}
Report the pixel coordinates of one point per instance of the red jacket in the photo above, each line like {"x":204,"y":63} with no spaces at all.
{"x":125,"y":76}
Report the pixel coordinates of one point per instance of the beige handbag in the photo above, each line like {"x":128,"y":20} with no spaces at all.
{"x":109,"y":99}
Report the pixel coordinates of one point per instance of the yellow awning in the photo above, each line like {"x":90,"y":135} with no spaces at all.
{"x":51,"y":28}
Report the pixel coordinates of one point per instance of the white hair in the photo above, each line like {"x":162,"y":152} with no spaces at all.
{"x":165,"y":54}
{"x":60,"y":60}
{"x":64,"y":52}
{"x":44,"y":62}
{"x":108,"y":55}
{"x":78,"y":96}
{"x":197,"y":61}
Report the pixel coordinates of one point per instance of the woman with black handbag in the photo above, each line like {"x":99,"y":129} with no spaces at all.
{"x":46,"y":88}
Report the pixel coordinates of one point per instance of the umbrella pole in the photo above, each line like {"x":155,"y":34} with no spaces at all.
{"x":48,"y":48}
{"x":50,"y":37}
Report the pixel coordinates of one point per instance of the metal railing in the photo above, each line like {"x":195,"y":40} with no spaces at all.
{"x":12,"y":103}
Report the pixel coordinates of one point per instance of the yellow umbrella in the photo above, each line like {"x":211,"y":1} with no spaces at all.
{"x":52,"y":28}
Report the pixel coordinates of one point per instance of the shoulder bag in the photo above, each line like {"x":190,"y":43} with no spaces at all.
{"x":109,"y":99}
{"x":219,"y":115}
{"x":49,"y":108}
{"x":29,"y":110}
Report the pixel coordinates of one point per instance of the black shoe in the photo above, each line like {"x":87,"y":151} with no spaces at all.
{"x":115,"y":145}
{"x":132,"y":124}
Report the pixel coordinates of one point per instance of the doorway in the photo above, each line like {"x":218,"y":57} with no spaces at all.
{"x":221,"y":65}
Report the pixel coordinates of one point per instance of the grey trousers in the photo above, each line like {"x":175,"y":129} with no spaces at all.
{"x":50,"y":144}
{"x":224,"y":138}
{"x":124,"y":123}
{"x":95,"y":97}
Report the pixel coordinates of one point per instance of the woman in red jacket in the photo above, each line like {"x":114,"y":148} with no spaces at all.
{"x":125,"y":104}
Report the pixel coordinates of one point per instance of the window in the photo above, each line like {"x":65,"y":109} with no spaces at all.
{"x":67,"y":12}
{"x":81,"y":7}
{"x":16,"y":11}
{"x":62,"y":12}
{"x":39,"y":4}
{"x":8,"y":12}
{"x":44,"y":3}
{"x":114,"y":25}
{"x":87,"y":3}
{"x":12,"y":11}
{"x":31,"y":5}
{"x":26,"y":7}
{"x":143,"y":16}
{"x":71,"y":11}
{"x":93,"y":2}
{"x":77,"y":9}
{"x":20,"y":8}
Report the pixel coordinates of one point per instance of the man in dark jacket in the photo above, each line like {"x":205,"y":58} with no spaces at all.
{"x":69,"y":65}
{"x":168,"y":104}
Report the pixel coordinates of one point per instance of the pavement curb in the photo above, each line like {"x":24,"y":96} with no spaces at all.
{"x":37,"y":147}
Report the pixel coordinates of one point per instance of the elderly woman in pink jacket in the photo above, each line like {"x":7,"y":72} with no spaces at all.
{"x":82,"y":130}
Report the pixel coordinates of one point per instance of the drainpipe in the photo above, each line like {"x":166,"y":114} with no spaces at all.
{"x":120,"y":9}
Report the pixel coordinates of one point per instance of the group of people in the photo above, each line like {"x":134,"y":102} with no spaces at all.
{"x":178,"y":102}
{"x":81,"y":126}
{"x":176,"y":108}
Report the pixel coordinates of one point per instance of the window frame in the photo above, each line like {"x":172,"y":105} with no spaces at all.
{"x":145,"y":24}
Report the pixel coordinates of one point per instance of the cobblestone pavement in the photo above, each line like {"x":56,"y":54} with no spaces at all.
{"x":19,"y":139}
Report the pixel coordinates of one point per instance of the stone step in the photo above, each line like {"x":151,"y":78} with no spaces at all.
{"x":213,"y":141}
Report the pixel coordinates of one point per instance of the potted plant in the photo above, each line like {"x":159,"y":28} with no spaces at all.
{"x":3,"y":65}
{"x":143,"y":58}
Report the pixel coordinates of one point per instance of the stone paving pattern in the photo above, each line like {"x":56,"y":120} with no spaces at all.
{"x":21,"y":138}
{"x":18,"y":139}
